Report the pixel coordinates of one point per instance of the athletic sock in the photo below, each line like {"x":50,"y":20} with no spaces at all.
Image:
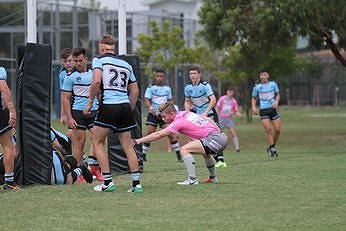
{"x":85,"y":160}
{"x":107,"y":178}
{"x":236,"y":142}
{"x":145,"y":148}
{"x":190,"y":166}
{"x":210,"y":163}
{"x":9,"y":177}
{"x":92,"y":161}
{"x":220,"y":157}
{"x":136,"y":176}
{"x":76,"y":173}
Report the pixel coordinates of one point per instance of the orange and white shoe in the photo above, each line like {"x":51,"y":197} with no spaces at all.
{"x":95,"y":170}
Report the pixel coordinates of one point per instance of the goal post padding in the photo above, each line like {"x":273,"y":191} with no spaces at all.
{"x":34,"y":161}
{"x":117,"y":157}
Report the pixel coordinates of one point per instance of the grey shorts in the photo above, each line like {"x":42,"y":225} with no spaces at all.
{"x":226,"y":122}
{"x":215,"y":142}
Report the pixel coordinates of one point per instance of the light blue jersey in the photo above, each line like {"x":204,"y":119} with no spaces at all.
{"x":117,"y":74}
{"x":79,"y":84}
{"x":54,"y":133}
{"x":158,"y":95}
{"x":3,"y":74}
{"x":63,"y":74}
{"x":199,"y":95}
{"x":266,"y":93}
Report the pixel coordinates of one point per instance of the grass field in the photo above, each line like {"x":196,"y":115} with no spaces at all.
{"x":304,"y":189}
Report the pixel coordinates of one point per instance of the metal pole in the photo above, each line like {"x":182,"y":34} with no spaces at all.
{"x":75,"y":25}
{"x":31,"y":20}
{"x":57,"y":31}
{"x":122,"y":27}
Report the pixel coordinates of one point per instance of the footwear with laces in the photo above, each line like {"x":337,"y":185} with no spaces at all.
{"x":137,"y":189}
{"x":188,"y":182}
{"x":220,"y":164}
{"x":272,"y":152}
{"x":13,"y":187}
{"x":211,"y":180}
{"x":105,"y":188}
{"x":95,"y":170}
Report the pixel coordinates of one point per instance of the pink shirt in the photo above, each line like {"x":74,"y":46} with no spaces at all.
{"x":192,"y":125}
{"x":227,"y":106}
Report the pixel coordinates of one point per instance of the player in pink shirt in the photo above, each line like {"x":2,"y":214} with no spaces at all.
{"x":207,"y":139}
{"x":226,"y":107}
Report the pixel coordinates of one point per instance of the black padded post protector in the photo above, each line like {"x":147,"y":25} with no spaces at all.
{"x":117,"y":157}
{"x":34,"y":163}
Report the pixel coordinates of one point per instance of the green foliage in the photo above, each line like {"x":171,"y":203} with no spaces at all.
{"x":303,"y":190}
{"x":164,"y":46}
{"x":315,"y":68}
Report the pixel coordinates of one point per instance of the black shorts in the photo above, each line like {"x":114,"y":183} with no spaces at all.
{"x":83,"y":122}
{"x":154,"y":120}
{"x":269,"y":113}
{"x":4,"y":118}
{"x":117,"y":117}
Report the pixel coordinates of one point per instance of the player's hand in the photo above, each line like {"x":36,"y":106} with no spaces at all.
{"x":275,"y":105}
{"x":87,"y":109}
{"x":63,"y":120}
{"x":134,"y":142}
{"x":13,"y":119}
{"x":72,"y":124}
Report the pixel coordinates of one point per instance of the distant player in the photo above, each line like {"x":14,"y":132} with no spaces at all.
{"x":154,"y":96}
{"x":268,"y":94}
{"x":226,"y":107}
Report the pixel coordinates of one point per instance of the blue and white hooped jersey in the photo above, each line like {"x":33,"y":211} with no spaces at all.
{"x":158,"y":95}
{"x":79,"y":84}
{"x":55,"y":134}
{"x":62,"y":76}
{"x":3,"y":74}
{"x":266,"y":93}
{"x":199,"y":95}
{"x":117,"y":74}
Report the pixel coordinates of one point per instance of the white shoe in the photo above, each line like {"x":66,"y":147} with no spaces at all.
{"x":188,"y":182}
{"x":103,"y":188}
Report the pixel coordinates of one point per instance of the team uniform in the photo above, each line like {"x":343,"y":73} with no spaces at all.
{"x":79,"y":84}
{"x":157,"y":95}
{"x":199,"y":96}
{"x":227,"y":106}
{"x":4,"y":113}
{"x":115,"y":110}
{"x":63,"y":140}
{"x":266,"y":93}
{"x":62,"y":76}
{"x":197,"y":127}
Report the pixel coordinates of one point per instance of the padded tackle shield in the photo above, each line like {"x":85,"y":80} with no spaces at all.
{"x":117,"y":157}
{"x":34,"y":161}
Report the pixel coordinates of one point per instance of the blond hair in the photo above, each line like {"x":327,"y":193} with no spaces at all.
{"x":167,"y":108}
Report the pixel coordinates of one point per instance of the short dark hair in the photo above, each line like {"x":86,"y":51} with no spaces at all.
{"x":79,"y":51}
{"x":65,"y":52}
{"x":264,"y":70}
{"x":195,"y":68}
{"x":160,"y":71}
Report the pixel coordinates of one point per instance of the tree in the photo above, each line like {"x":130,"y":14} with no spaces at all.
{"x":274,"y":23}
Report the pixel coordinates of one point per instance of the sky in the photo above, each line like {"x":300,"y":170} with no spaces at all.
{"x":131,"y":5}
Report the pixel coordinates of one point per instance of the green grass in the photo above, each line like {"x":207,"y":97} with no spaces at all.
{"x":304,"y":189}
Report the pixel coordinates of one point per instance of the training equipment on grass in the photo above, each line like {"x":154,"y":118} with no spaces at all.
{"x":33,"y":88}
